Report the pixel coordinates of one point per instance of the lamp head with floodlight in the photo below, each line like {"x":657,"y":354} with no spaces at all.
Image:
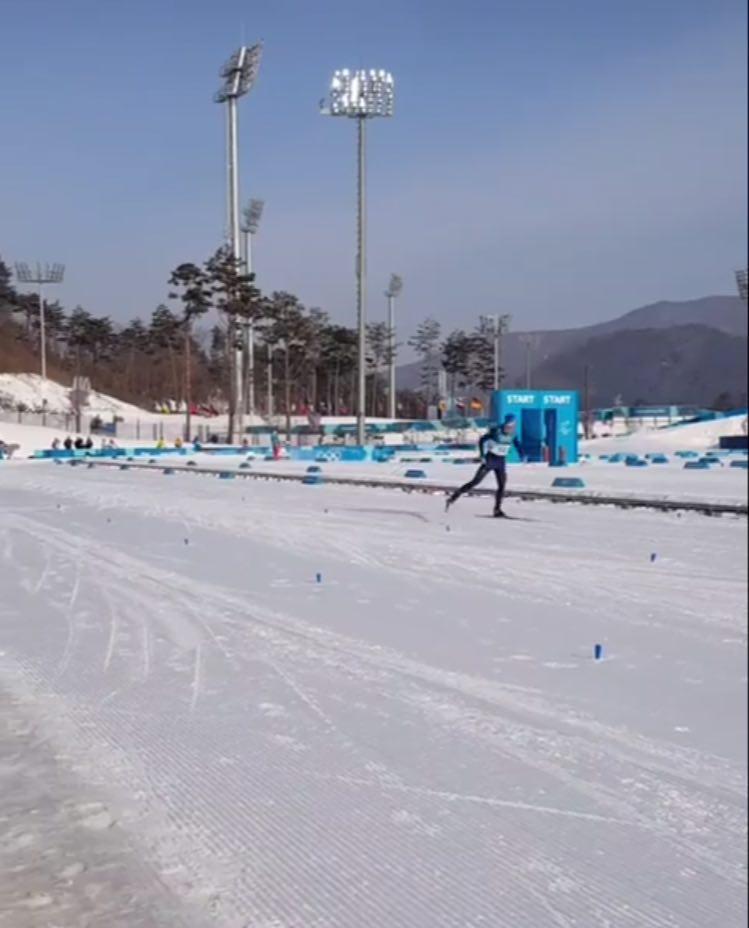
{"x":239,"y":73}
{"x":394,"y":287}
{"x":44,"y":274}
{"x":742,"y":283}
{"x":360,"y":94}
{"x":251,"y":216}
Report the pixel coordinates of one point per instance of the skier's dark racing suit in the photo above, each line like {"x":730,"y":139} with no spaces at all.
{"x":494,"y":447}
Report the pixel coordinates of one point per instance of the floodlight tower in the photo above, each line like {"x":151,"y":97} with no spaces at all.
{"x":394,"y":289}
{"x":250,"y":223}
{"x":742,"y":283}
{"x":361,"y":95}
{"x":239,"y":74}
{"x":43,"y":274}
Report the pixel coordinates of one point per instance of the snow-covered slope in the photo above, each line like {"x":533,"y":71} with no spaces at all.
{"x":31,"y":391}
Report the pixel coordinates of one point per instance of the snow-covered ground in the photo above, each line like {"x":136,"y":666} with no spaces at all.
{"x":28,"y":438}
{"x":671,"y":481}
{"x":421,"y":739}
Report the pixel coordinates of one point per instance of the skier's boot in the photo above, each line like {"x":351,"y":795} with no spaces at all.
{"x":498,"y":514}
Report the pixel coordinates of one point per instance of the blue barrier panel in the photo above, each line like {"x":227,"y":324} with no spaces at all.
{"x":633,"y":461}
{"x":686,"y":454}
{"x":743,"y":464}
{"x":226,"y":475}
{"x":617,"y":458}
{"x":168,"y":472}
{"x":568,"y":483}
{"x":414,"y":474}
{"x":696,"y":465}
{"x":658,"y":458}
{"x":314,"y":469}
{"x":603,"y":457}
{"x":311,"y":479}
{"x":711,"y":462}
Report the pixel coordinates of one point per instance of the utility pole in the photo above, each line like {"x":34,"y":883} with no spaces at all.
{"x":43,"y":274}
{"x":529,"y":341}
{"x":499,"y":327}
{"x":586,"y":401}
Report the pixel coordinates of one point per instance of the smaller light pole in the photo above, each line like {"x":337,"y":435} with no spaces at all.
{"x":497,"y":326}
{"x":250,"y":223}
{"x":44,"y":274}
{"x":269,"y":374}
{"x":529,"y":342}
{"x":742,"y":284}
{"x":394,"y":289}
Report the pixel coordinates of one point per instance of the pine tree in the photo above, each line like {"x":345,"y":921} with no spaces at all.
{"x":426,"y":344}
{"x":192,"y":287}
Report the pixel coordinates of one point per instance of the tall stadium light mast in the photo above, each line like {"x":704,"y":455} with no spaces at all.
{"x":742,"y":284}
{"x":394,"y":289}
{"x":361,"y":95}
{"x":41,"y":275}
{"x":250,"y":223}
{"x":239,"y":74}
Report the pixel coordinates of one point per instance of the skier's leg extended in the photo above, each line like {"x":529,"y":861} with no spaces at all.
{"x":501,"y":474}
{"x":481,"y":472}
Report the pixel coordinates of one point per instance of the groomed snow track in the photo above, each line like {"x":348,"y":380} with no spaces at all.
{"x":704,"y":507}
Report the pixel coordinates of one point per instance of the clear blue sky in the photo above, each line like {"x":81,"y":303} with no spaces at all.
{"x":560,"y":160}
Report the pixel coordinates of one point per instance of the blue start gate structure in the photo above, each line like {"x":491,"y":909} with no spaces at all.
{"x":546,"y":421}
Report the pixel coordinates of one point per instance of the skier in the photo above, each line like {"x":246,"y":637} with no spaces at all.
{"x":494,"y":447}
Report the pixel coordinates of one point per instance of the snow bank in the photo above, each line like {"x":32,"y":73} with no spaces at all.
{"x":698,"y":437}
{"x":31,"y":391}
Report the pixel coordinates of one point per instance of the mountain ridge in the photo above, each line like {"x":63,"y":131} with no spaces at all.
{"x":699,"y":328}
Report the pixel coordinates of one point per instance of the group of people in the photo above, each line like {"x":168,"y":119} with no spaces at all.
{"x":81,"y":444}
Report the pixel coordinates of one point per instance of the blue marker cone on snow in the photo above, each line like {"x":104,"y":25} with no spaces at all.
{"x":598,"y":652}
{"x":318,"y":578}
{"x":653,"y":556}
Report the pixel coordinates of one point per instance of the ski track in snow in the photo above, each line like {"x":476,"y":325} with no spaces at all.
{"x":372,"y":750}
